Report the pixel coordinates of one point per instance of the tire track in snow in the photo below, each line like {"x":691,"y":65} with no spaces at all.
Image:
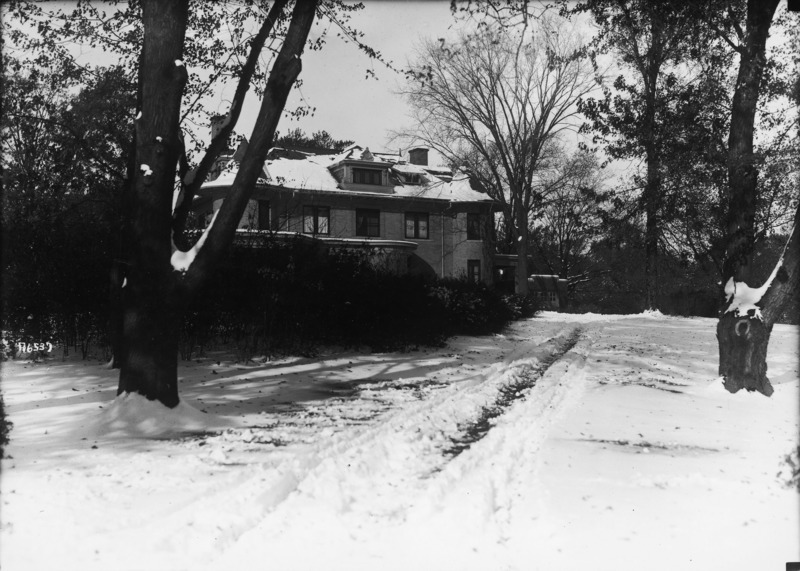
{"x":369,"y":482}
{"x":526,"y":380}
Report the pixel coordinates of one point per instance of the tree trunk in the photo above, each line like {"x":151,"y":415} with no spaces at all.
{"x":282,"y":77}
{"x":652,"y":189}
{"x":115,"y":316}
{"x":522,"y":251}
{"x":151,"y":341}
{"x":742,"y":171}
{"x":743,"y":339}
{"x":150,"y":315}
{"x":155,"y":295}
{"x":652,"y":203}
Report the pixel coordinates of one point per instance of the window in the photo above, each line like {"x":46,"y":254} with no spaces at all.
{"x":368,"y":223}
{"x":473,"y":226}
{"x":474,"y":270}
{"x":417,"y":225}
{"x":316,"y":220}
{"x":367,"y":176}
{"x":546,"y":296}
{"x":263,"y":215}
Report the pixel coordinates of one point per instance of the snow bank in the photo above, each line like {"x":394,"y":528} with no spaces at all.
{"x":132,"y":415}
{"x":595,"y":317}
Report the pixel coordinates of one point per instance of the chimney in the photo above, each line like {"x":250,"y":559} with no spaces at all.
{"x":216,"y":124}
{"x":418,"y":156}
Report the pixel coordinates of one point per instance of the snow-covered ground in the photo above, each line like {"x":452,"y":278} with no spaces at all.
{"x":625,"y":453}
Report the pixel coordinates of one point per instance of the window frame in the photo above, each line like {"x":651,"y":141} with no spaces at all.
{"x":372,"y":175}
{"x":474,"y":225}
{"x":474,"y":271}
{"x":416,"y":217}
{"x":264,"y":215}
{"x":371,"y":217}
{"x":315,"y":213}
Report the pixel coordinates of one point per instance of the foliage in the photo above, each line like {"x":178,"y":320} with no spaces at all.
{"x":215,"y":51}
{"x":318,"y":141}
{"x":789,"y":474}
{"x":571,"y":219}
{"x":495,"y":101}
{"x":5,"y":427}
{"x":292,"y":297}
{"x":63,"y":162}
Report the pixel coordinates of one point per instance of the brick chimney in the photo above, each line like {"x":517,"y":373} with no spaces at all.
{"x":216,"y":124}
{"x":418,"y":156}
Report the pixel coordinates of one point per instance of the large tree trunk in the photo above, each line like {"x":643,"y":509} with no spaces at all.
{"x":652,"y":189}
{"x":742,"y":171}
{"x":150,"y":315}
{"x":282,"y":77}
{"x":652,"y":192}
{"x":155,"y":294}
{"x":743,"y":339}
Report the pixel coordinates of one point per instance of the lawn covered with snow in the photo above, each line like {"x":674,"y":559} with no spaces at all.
{"x":568,"y":442}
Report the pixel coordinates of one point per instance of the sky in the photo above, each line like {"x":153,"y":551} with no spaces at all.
{"x":348,"y":104}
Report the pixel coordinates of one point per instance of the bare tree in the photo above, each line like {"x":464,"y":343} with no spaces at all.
{"x":495,"y":101}
{"x":570,"y":217}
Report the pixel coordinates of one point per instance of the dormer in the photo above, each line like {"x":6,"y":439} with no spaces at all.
{"x":358,"y":169}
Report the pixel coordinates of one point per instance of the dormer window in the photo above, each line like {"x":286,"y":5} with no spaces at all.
{"x":367,"y":176}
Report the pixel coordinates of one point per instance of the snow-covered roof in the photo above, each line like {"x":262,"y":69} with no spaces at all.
{"x":304,"y":171}
{"x":311,"y":173}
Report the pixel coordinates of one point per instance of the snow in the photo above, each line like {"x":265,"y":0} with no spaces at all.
{"x":139,"y":115}
{"x":146,"y":170}
{"x":178,"y":63}
{"x":626,"y":449}
{"x":744,"y":299}
{"x":159,"y":139}
{"x":312,"y":173}
{"x":133,"y":416}
{"x":182,"y":261}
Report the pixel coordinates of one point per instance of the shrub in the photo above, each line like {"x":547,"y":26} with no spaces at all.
{"x":5,"y":427}
{"x":292,"y":297}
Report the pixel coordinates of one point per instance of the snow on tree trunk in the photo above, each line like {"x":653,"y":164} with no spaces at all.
{"x":150,"y":318}
{"x":744,"y":329}
{"x":744,"y":337}
{"x":156,"y":292}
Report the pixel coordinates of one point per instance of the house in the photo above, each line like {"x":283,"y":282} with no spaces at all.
{"x":413,"y":217}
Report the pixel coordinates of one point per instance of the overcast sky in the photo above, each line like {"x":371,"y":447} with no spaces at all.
{"x":348,"y":105}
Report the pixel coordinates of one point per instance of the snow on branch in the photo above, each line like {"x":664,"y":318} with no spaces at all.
{"x":182,"y":261}
{"x":742,"y":298}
